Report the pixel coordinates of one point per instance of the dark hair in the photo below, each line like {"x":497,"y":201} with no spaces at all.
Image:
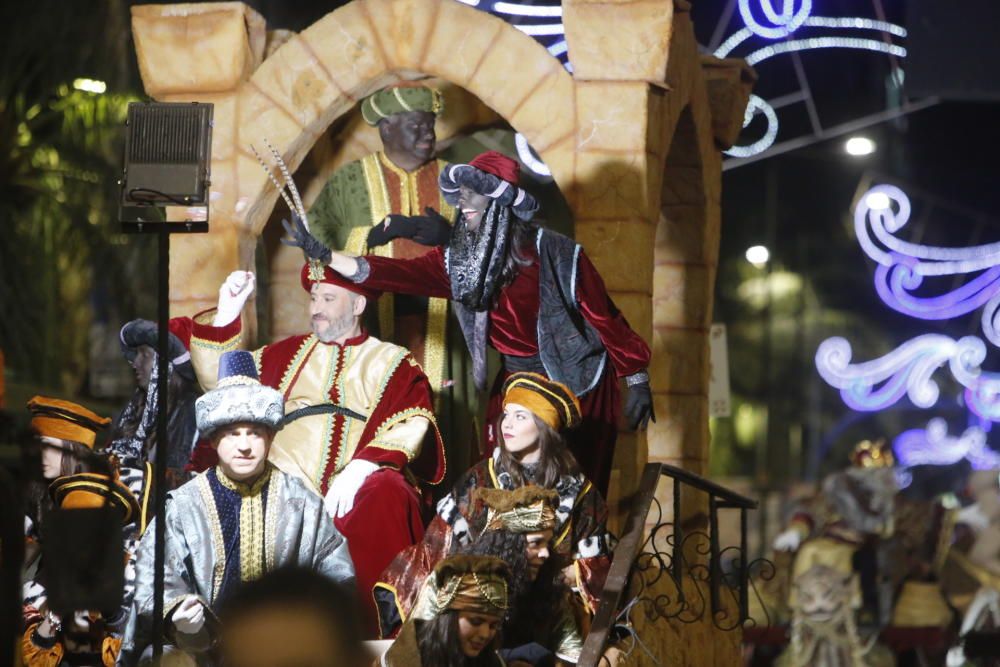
{"x":440,"y":645}
{"x":532,"y":604}
{"x":179,"y":389}
{"x":522,"y":237}
{"x":76,"y":458}
{"x":298,"y":587}
{"x":554,"y":458}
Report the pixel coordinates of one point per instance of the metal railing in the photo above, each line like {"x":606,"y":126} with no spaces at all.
{"x":673,"y":561}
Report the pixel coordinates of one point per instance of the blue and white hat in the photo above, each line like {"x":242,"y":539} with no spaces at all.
{"x":238,"y":397}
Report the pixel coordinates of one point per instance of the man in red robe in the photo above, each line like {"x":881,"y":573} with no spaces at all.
{"x":359,"y":423}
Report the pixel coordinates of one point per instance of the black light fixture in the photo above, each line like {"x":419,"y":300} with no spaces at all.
{"x":167,"y":164}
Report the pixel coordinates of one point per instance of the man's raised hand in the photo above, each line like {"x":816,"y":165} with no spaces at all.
{"x":233,"y":296}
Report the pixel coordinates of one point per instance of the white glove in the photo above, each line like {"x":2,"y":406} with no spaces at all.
{"x":788,"y":540}
{"x":340,"y":498}
{"x":233,"y":296}
{"x":973,"y":516}
{"x":956,"y":657}
{"x":189,"y":617}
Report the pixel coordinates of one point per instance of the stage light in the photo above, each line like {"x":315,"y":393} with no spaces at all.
{"x":859,"y":146}
{"x":90,"y":85}
{"x":758,"y":255}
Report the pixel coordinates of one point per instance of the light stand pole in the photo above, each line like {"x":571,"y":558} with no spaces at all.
{"x":167,"y":157}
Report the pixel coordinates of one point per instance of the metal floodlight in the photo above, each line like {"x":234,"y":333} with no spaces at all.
{"x":167,"y":158}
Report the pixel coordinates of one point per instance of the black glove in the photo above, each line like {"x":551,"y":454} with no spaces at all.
{"x":393,"y":227}
{"x":301,"y":238}
{"x":431,"y":229}
{"x":639,"y":406}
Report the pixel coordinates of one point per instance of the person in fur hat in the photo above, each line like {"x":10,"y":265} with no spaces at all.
{"x":232,"y":523}
{"x":531,"y":294}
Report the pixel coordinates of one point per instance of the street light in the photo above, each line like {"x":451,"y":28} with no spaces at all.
{"x":859,"y":146}
{"x":758,"y":255}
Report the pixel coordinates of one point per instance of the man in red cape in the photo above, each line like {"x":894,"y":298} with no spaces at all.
{"x":359,"y":423}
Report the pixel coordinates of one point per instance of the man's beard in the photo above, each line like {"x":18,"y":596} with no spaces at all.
{"x":335,"y":329}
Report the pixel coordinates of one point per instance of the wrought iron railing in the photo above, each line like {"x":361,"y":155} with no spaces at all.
{"x":684,"y":555}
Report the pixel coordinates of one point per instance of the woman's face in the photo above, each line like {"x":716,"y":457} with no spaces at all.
{"x":476,"y":631}
{"x":472,"y":205}
{"x":537,"y":550}
{"x":520,"y":433}
{"x":52,"y":456}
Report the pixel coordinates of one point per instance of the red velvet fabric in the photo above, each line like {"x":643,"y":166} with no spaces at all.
{"x":385,"y":520}
{"x":333,"y":278}
{"x":498,"y":164}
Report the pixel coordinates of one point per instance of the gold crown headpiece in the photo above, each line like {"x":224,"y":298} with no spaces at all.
{"x":873,"y":454}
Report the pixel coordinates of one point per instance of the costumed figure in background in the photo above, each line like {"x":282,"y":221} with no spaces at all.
{"x":88,"y":638}
{"x":541,"y":625}
{"x":360,"y":426}
{"x":465,"y":601}
{"x":531,"y":451}
{"x":528,"y":292}
{"x":133,"y":435}
{"x":66,"y":434}
{"x":841,"y":565}
{"x":232,"y":523}
{"x":971,"y":573}
{"x":400,"y":182}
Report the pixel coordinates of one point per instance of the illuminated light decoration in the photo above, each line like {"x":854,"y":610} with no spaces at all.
{"x":559,"y":48}
{"x":473,"y":3}
{"x":907,"y":370}
{"x":527,"y":10}
{"x":90,"y":85}
{"x":789,"y":19}
{"x":831,"y":22}
{"x":756,"y":105}
{"x":782,"y":24}
{"x":902,"y":266}
{"x":933,"y":446}
{"x":824,"y":43}
{"x":551,"y":29}
{"x":983,"y":396}
{"x":527,"y":156}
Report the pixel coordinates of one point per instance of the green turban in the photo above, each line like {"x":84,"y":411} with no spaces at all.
{"x":399,"y":99}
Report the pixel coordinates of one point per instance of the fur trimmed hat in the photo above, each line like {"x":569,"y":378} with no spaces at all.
{"x":145,"y":332}
{"x":238,"y":397}
{"x":527,"y":509}
{"x":491,"y":174}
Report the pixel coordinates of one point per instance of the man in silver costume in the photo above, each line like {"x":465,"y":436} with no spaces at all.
{"x":232,"y":523}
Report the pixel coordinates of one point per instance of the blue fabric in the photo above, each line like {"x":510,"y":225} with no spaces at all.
{"x":228,"y":504}
{"x":237,"y":362}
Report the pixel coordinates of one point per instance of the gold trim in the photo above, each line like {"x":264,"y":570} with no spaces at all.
{"x":146,"y":488}
{"x":435,"y":342}
{"x":230,"y":343}
{"x":252,"y":532}
{"x":218,"y":543}
{"x":392,"y":421}
{"x":381,"y":206}
{"x":308,"y":343}
{"x":395,"y":601}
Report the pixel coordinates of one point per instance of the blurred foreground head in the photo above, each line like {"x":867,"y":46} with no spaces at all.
{"x":291,"y":617}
